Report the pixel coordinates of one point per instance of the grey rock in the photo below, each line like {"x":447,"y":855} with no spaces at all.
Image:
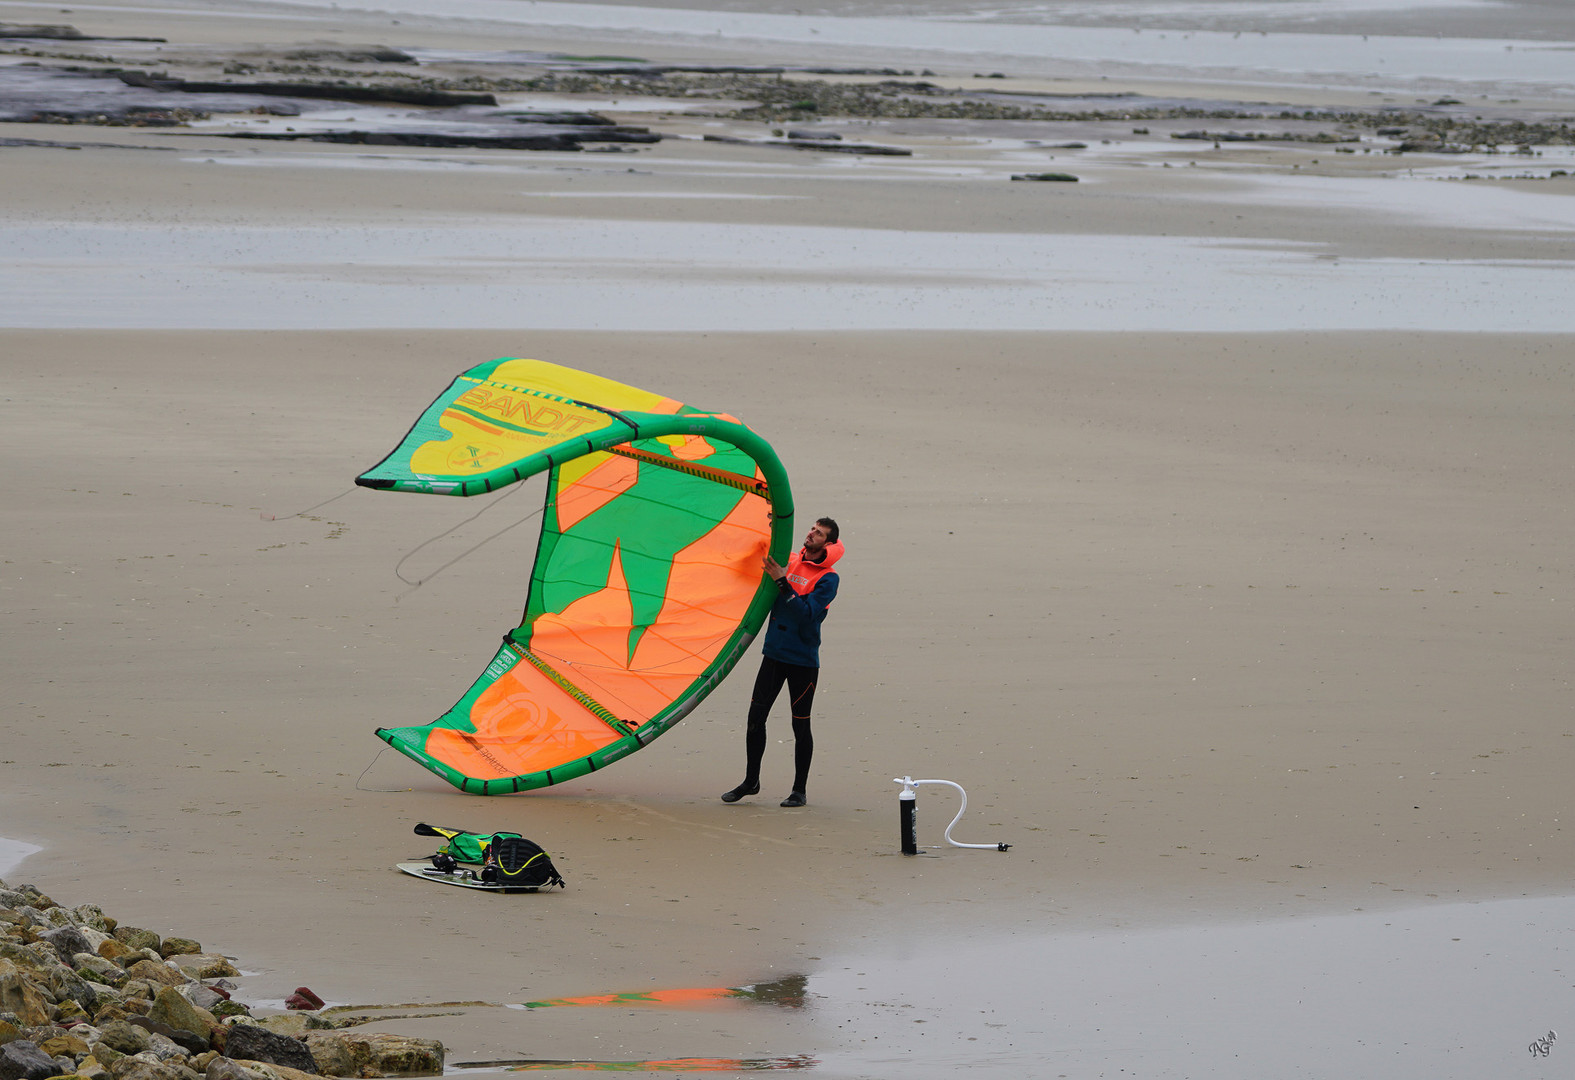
{"x":204,"y":965}
{"x":222,"y":1068}
{"x":165,"y":1048}
{"x":125,"y":1037}
{"x":68,"y":941}
{"x":95,"y":937}
{"x":97,"y":969}
{"x":253,"y":1043}
{"x":201,"y":995}
{"x":91,"y":916}
{"x":22,"y":1059}
{"x":147,"y":1067}
{"x":67,"y":985}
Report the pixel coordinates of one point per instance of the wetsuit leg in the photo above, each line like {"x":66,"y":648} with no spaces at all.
{"x":801,"y":693}
{"x":768,"y":684}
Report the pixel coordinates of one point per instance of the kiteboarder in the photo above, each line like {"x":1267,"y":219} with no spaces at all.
{"x":806,"y":587}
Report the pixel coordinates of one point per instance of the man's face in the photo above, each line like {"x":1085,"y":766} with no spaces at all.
{"x":815,"y":542}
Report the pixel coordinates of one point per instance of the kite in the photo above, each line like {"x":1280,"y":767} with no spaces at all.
{"x":647,"y":585}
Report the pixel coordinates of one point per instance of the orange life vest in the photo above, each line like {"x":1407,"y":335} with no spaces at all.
{"x":803,"y":574}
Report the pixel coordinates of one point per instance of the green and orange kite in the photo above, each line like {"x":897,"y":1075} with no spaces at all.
{"x":647,"y":585}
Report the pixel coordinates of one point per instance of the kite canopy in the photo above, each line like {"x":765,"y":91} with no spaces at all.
{"x":647,"y":586}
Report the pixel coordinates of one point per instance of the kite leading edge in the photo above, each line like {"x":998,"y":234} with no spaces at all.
{"x":647,"y":585}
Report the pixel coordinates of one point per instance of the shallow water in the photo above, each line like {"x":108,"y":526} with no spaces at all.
{"x":1019,"y":35}
{"x":12,"y":852}
{"x":1444,"y":991}
{"x":1459,"y":990}
{"x":584,"y":274}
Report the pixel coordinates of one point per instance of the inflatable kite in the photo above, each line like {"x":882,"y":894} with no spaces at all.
{"x":647,"y":585}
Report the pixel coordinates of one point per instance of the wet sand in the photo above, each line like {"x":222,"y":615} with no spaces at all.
{"x":1247,"y":633}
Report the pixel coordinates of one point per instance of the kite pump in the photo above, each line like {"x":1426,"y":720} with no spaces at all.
{"x":908,"y":813}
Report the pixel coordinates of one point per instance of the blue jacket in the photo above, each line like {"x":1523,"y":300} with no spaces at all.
{"x":793,"y":629}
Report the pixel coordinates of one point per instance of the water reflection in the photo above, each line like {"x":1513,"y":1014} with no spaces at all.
{"x":800,"y":1061}
{"x":788,"y":992}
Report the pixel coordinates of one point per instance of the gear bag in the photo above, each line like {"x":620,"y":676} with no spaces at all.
{"x":506,"y":858}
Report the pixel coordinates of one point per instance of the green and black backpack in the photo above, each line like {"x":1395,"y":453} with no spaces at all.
{"x":506,"y":858}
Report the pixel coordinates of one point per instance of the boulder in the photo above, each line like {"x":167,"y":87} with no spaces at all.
{"x":108,"y":1013}
{"x":332,"y":1054}
{"x":267,"y":1070}
{"x":248,"y":1042}
{"x":382,"y":1054}
{"x":68,"y":1045}
{"x":178,"y":946}
{"x":67,"y":985}
{"x":91,"y":916}
{"x":157,"y":974}
{"x":22,"y":1059}
{"x":136,"y":938}
{"x":147,"y":1068}
{"x":172,"y":1008}
{"x":25,"y":896}
{"x":20,"y":997}
{"x":95,"y":968}
{"x":114,"y":949}
{"x":139,"y":988}
{"x":123,"y":1036}
{"x":166,"y":1049}
{"x":205,"y":965}
{"x":26,"y":957}
{"x":202,"y":995}
{"x":303,"y":998}
{"x":295,"y":1024}
{"x":68,"y":941}
{"x":106,"y":1055}
{"x":9,"y":1032}
{"x":95,"y":938}
{"x":222,"y":1068}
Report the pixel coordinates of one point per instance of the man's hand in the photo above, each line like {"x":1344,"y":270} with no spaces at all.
{"x":773,"y":568}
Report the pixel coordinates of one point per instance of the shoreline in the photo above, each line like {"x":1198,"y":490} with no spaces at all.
{"x":13,"y":853}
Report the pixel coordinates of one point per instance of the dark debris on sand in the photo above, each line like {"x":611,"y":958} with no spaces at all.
{"x":450,"y":89}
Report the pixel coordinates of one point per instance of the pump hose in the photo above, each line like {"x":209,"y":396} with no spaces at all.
{"x":955,"y":820}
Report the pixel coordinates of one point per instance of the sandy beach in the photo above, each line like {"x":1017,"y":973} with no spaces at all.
{"x":1207,"y":519}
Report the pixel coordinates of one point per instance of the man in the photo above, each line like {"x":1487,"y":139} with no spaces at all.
{"x":805,"y":589}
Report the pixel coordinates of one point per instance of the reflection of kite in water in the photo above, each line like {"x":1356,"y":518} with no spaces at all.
{"x":788,"y":991}
{"x":647,"y":585}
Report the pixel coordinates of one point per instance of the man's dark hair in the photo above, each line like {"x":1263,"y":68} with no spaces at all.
{"x":832,"y":532}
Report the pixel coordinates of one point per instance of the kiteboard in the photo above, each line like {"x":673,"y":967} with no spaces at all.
{"x":463,"y":876}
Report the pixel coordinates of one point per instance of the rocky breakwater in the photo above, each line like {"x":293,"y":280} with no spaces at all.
{"x":82,"y":995}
